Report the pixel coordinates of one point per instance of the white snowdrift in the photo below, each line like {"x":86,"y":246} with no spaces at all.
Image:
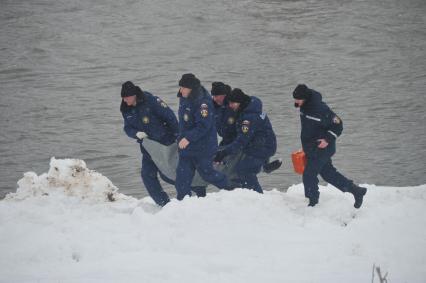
{"x":62,"y":227}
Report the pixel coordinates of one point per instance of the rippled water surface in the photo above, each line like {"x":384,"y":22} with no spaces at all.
{"x":62,"y":64}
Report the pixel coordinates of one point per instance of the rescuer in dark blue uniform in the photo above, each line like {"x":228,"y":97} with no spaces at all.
{"x":197,"y":140}
{"x":144,"y":116}
{"x":255,"y":138}
{"x":320,"y":129}
{"x":226,"y":119}
{"x":224,"y":116}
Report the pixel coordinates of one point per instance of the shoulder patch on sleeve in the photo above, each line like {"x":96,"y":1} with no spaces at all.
{"x":337,"y":120}
{"x":245,"y":126}
{"x":204,"y":110}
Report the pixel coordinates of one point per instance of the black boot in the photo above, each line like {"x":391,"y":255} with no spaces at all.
{"x":272,"y":166}
{"x":358,"y":193}
{"x":199,"y":191}
{"x":232,"y":185}
{"x":313,"y":202}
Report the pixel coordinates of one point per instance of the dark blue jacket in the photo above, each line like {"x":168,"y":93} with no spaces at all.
{"x":225,"y":119}
{"x":318,"y":122}
{"x":197,"y":123}
{"x":152,"y":116}
{"x":255,"y":136}
{"x":218,"y":115}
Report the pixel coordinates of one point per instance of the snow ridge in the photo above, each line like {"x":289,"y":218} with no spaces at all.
{"x":61,"y":226}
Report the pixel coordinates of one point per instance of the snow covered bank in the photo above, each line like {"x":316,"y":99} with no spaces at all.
{"x":62,"y":227}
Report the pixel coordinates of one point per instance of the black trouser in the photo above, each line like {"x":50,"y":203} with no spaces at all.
{"x":320,"y":163}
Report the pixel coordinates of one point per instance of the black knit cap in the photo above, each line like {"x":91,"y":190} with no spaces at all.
{"x":219,"y":88}
{"x":302,"y":92}
{"x":129,"y":89}
{"x":237,"y":95}
{"x":189,"y":81}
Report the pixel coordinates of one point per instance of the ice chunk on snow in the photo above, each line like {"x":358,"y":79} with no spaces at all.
{"x":69,"y":177}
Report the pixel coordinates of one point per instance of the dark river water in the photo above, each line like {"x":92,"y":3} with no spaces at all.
{"x":62,"y":64}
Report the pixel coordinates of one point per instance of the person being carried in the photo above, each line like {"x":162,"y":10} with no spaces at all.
{"x":320,"y":129}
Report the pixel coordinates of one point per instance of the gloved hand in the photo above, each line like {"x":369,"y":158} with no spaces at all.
{"x":220,"y":155}
{"x":141,"y":135}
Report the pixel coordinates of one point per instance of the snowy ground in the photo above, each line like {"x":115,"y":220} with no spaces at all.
{"x":60,"y":227}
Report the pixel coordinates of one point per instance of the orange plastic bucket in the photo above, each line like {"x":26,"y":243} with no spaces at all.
{"x":299,"y":161}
